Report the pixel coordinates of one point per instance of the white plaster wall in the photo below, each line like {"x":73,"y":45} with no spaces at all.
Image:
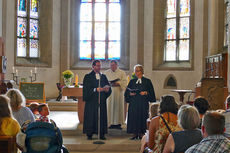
{"x":185,"y":79}
{"x":50,"y":76}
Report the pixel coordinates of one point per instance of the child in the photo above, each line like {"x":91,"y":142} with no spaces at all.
{"x":153,"y":111}
{"x":34,"y":108}
{"x":44,"y":112}
{"x":8,"y":125}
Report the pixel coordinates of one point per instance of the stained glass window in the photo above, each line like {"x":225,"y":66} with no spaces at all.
{"x":34,"y":8}
{"x":100,"y":29}
{"x":22,"y":24}
{"x":171,"y":29}
{"x":22,"y":8}
{"x":171,"y":8}
{"x":184,"y":28}
{"x":177,"y":38}
{"x":28,"y":28}
{"x":184,"y":7}
{"x":21,"y":43}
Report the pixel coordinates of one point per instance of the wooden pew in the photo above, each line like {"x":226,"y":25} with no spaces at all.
{"x":8,"y":144}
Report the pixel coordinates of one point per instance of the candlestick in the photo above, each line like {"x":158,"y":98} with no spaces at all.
{"x":35,"y":70}
{"x":16,"y":73}
{"x":31,"y":72}
{"x":13,"y":69}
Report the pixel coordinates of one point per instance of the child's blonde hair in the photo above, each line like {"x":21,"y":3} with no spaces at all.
{"x":154,"y":110}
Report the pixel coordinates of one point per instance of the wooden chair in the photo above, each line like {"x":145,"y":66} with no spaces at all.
{"x":8,"y":144}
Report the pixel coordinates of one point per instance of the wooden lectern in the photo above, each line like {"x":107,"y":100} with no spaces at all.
{"x":214,"y":90}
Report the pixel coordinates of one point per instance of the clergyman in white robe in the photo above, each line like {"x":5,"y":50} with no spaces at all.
{"x":115,"y":102}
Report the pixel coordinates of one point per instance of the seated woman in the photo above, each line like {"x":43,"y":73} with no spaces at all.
{"x":8,"y":125}
{"x":189,"y":120}
{"x":17,"y":103}
{"x":162,"y":125}
{"x":202,"y":106}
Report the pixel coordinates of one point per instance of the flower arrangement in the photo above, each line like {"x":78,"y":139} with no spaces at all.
{"x":67,"y":74}
{"x":133,"y":76}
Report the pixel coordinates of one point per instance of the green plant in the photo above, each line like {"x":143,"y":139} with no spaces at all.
{"x":67,"y":74}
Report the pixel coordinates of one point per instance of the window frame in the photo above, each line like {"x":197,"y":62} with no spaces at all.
{"x":106,"y":40}
{"x":45,"y":15}
{"x":178,"y":39}
{"x":75,"y":62}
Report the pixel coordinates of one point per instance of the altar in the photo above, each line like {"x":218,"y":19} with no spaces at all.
{"x":78,"y":93}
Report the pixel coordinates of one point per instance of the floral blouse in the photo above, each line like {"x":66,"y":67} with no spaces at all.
{"x":162,"y":133}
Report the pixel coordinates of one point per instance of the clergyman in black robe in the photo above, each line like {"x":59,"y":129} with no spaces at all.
{"x":91,"y":97}
{"x":138,"y":94}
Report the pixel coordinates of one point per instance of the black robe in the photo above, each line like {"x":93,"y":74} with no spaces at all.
{"x":138,"y":111}
{"x":90,"y":96}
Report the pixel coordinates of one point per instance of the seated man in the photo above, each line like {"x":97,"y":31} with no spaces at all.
{"x":213,"y":139}
{"x":227,"y":117}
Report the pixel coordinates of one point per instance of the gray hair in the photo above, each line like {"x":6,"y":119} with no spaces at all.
{"x":17,"y":99}
{"x":188,"y":117}
{"x":139,"y":66}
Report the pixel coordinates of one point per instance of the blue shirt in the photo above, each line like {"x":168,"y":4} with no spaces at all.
{"x":23,"y":114}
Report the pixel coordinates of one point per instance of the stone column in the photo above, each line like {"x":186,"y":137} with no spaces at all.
{"x":228,"y":19}
{"x":0,"y":18}
{"x":212,"y":27}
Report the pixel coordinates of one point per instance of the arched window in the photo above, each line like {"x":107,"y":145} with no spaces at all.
{"x":177,"y":35}
{"x":28,"y":28}
{"x":100,"y":29}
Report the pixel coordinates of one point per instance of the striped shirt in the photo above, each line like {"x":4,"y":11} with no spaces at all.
{"x":211,"y":144}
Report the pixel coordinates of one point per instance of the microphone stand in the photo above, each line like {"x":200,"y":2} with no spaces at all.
{"x":99,"y":119}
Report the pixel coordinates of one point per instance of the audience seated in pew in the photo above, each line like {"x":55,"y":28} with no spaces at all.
{"x":17,"y":103}
{"x":213,"y":126}
{"x":202,"y":106}
{"x":158,"y":130}
{"x":189,"y":121}
{"x":8,"y":125}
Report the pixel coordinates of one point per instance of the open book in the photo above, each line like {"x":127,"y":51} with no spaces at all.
{"x":113,"y":81}
{"x":137,"y":91}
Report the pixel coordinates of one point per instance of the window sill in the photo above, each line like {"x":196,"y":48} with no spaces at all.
{"x":87,"y":65}
{"x":180,"y":66}
{"x":21,"y":61}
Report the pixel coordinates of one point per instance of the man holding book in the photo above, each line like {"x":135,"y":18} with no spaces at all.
{"x":115,"y":102}
{"x":95,"y":85}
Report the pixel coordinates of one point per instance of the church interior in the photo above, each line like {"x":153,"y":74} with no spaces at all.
{"x":181,"y":44}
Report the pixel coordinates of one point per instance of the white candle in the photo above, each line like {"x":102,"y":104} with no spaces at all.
{"x":35,"y":70}
{"x":13,"y":69}
{"x":31,"y":72}
{"x":16,"y":72}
